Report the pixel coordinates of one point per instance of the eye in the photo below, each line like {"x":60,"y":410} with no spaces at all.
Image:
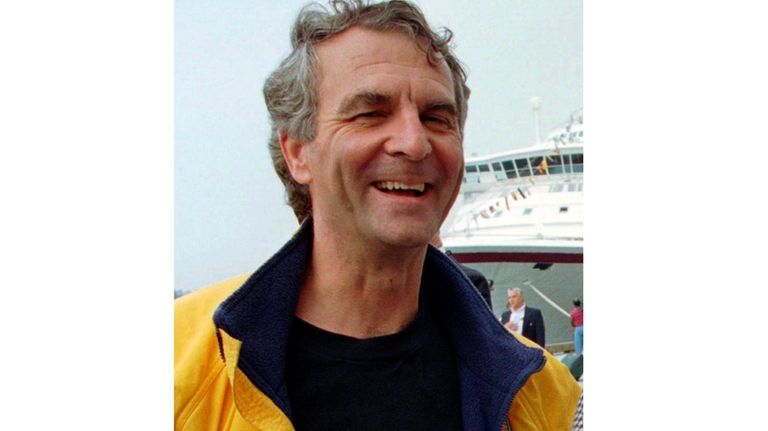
{"x":435,"y":118}
{"x":439,"y":120}
{"x":371,"y":114}
{"x":369,"y":118}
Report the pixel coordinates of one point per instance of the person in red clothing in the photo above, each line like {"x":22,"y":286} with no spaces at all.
{"x":577,"y":321}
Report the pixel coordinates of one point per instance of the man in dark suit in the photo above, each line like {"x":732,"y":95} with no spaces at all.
{"x":523,"y":319}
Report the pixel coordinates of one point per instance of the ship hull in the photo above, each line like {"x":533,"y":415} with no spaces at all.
{"x":550,"y":288}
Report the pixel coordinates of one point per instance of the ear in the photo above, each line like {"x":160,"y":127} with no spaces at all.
{"x":296,"y":155}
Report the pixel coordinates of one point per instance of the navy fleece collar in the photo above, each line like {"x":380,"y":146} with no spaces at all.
{"x":492,"y":364}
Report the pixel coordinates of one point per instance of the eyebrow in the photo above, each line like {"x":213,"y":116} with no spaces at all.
{"x":365,"y":99}
{"x":354,"y":102}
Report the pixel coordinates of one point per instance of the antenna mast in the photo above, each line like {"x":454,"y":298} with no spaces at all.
{"x":536,"y":104}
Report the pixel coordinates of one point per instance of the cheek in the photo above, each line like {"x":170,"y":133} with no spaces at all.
{"x":452,"y":160}
{"x":356,"y":154}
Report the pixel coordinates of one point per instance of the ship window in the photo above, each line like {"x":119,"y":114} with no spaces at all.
{"x":563,"y":210}
{"x":497,"y":167}
{"x":509,"y":168}
{"x":484,"y":168}
{"x":527,"y":211}
{"x":556,"y":188}
{"x":522,"y":167}
{"x":471,"y":168}
{"x":555,"y":164}
{"x":578,"y":162}
{"x":573,"y":187}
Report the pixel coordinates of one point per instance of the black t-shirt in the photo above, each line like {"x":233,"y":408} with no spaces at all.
{"x":403,"y":381}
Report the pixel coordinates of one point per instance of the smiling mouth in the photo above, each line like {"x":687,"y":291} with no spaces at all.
{"x":402,"y":189}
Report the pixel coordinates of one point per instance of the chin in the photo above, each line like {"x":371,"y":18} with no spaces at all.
{"x":400,"y":230}
{"x":406,"y":237}
{"x":409,"y":242}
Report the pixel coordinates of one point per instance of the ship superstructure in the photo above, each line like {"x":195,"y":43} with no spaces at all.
{"x":519,"y":220}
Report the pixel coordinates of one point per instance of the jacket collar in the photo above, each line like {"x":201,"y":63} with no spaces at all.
{"x":260,"y":312}
{"x":493,"y":364}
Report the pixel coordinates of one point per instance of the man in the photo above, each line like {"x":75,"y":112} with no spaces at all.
{"x":522,"y":319}
{"x":356,"y":323}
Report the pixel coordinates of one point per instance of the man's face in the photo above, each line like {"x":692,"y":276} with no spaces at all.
{"x":387,"y":160}
{"x":515,"y":300}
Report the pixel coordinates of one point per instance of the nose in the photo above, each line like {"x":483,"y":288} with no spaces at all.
{"x":409,"y":138}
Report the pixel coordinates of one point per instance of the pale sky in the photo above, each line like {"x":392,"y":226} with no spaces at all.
{"x":230,"y":214}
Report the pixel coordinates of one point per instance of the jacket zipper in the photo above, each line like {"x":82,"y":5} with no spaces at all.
{"x":506,"y":425}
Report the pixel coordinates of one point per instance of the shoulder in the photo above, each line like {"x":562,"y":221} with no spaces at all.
{"x":471,"y":271}
{"x":194,"y":312}
{"x":196,"y":351}
{"x":533,"y":311}
{"x":548,"y":399}
{"x":476,"y":276}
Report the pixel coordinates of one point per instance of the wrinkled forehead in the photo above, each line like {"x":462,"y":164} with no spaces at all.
{"x":358,"y":49}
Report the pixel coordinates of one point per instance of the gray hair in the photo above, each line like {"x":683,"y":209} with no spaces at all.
{"x":290,"y":92}
{"x":515,"y":290}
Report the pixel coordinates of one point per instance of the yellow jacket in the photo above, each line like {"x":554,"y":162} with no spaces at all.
{"x":229,"y":373}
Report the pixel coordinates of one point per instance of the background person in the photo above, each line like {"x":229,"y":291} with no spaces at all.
{"x":523,"y":319}
{"x":577,"y":322}
{"x":476,"y":277}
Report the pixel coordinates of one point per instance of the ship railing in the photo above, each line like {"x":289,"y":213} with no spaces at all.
{"x":474,"y":233}
{"x":576,"y":117}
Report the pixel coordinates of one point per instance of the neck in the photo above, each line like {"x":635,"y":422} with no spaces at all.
{"x":360,"y":293}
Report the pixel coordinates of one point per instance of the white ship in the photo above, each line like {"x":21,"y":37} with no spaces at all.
{"x":519,"y":220}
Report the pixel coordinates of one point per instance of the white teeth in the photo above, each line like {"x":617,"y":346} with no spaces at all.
{"x":394,"y":185}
